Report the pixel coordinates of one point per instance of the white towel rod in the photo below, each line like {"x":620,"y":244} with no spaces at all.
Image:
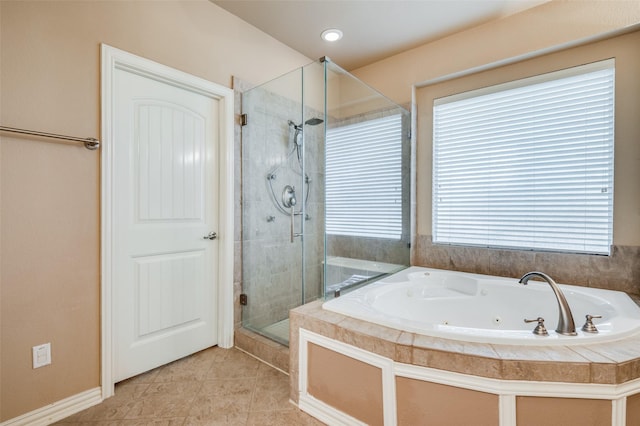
{"x":89,"y":143}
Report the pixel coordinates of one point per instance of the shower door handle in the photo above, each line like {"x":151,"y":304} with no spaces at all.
{"x":293,"y":223}
{"x":293,"y":216}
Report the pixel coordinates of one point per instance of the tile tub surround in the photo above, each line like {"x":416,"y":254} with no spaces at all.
{"x":619,"y":271}
{"x":606,"y":363}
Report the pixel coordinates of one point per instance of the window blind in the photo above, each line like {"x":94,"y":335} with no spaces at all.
{"x":364,"y":179}
{"x":527,"y":165}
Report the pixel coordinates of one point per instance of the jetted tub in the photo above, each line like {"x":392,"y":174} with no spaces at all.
{"x":487,"y":309}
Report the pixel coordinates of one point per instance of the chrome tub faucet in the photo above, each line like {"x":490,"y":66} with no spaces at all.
{"x":566,"y":326}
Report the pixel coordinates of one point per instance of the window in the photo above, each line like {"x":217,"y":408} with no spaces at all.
{"x":527,"y":164}
{"x":364,"y":179}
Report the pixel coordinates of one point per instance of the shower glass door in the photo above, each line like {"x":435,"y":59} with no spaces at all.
{"x":281,"y":210}
{"x":325,"y":192}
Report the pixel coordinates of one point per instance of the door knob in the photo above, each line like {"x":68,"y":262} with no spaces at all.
{"x":210,"y":236}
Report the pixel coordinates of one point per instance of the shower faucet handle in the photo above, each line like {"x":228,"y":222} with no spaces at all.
{"x":540,"y":329}
{"x":289,"y":196}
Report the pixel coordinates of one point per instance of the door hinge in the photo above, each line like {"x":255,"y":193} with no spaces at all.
{"x":243,"y":119}
{"x":243,"y":299}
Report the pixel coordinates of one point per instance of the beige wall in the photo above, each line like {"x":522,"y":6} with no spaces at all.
{"x":619,"y":271}
{"x":626,"y":51}
{"x":50,"y":224}
{"x":545,"y":29}
{"x":552,"y":24}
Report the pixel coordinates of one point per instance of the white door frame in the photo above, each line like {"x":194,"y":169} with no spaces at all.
{"x":113,"y":59}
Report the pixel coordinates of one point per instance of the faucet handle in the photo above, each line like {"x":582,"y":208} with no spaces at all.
{"x":540,"y":329}
{"x":588,"y":326}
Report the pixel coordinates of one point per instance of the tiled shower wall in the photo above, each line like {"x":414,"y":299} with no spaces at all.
{"x":272,"y":267}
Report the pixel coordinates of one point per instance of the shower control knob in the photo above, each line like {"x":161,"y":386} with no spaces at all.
{"x":210,"y":236}
{"x":289,"y":196}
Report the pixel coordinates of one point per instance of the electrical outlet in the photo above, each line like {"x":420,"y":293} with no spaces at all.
{"x":41,"y":355}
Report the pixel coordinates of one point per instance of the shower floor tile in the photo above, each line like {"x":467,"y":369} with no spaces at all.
{"x":279,"y":330}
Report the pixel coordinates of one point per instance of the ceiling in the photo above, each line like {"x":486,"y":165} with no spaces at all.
{"x":373,"y":29}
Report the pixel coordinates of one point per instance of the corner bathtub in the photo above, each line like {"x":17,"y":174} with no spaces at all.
{"x":486,"y":309}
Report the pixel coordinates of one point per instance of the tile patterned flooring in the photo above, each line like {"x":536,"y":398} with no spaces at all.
{"x":212,"y":387}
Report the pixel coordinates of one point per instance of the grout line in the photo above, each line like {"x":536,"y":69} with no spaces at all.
{"x":253,"y":395}
{"x":261,"y":360}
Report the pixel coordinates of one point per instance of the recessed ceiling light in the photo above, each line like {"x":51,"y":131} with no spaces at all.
{"x":331,"y":34}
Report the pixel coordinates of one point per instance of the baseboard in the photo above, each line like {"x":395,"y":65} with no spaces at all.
{"x":58,"y":410}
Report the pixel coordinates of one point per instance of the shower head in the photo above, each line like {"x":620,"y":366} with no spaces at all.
{"x":311,"y":122}
{"x":314,"y":121}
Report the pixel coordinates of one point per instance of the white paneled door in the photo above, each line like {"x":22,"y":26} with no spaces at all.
{"x":165,"y":217}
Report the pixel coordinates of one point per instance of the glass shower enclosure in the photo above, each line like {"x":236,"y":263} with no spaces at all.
{"x":318,"y":158}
